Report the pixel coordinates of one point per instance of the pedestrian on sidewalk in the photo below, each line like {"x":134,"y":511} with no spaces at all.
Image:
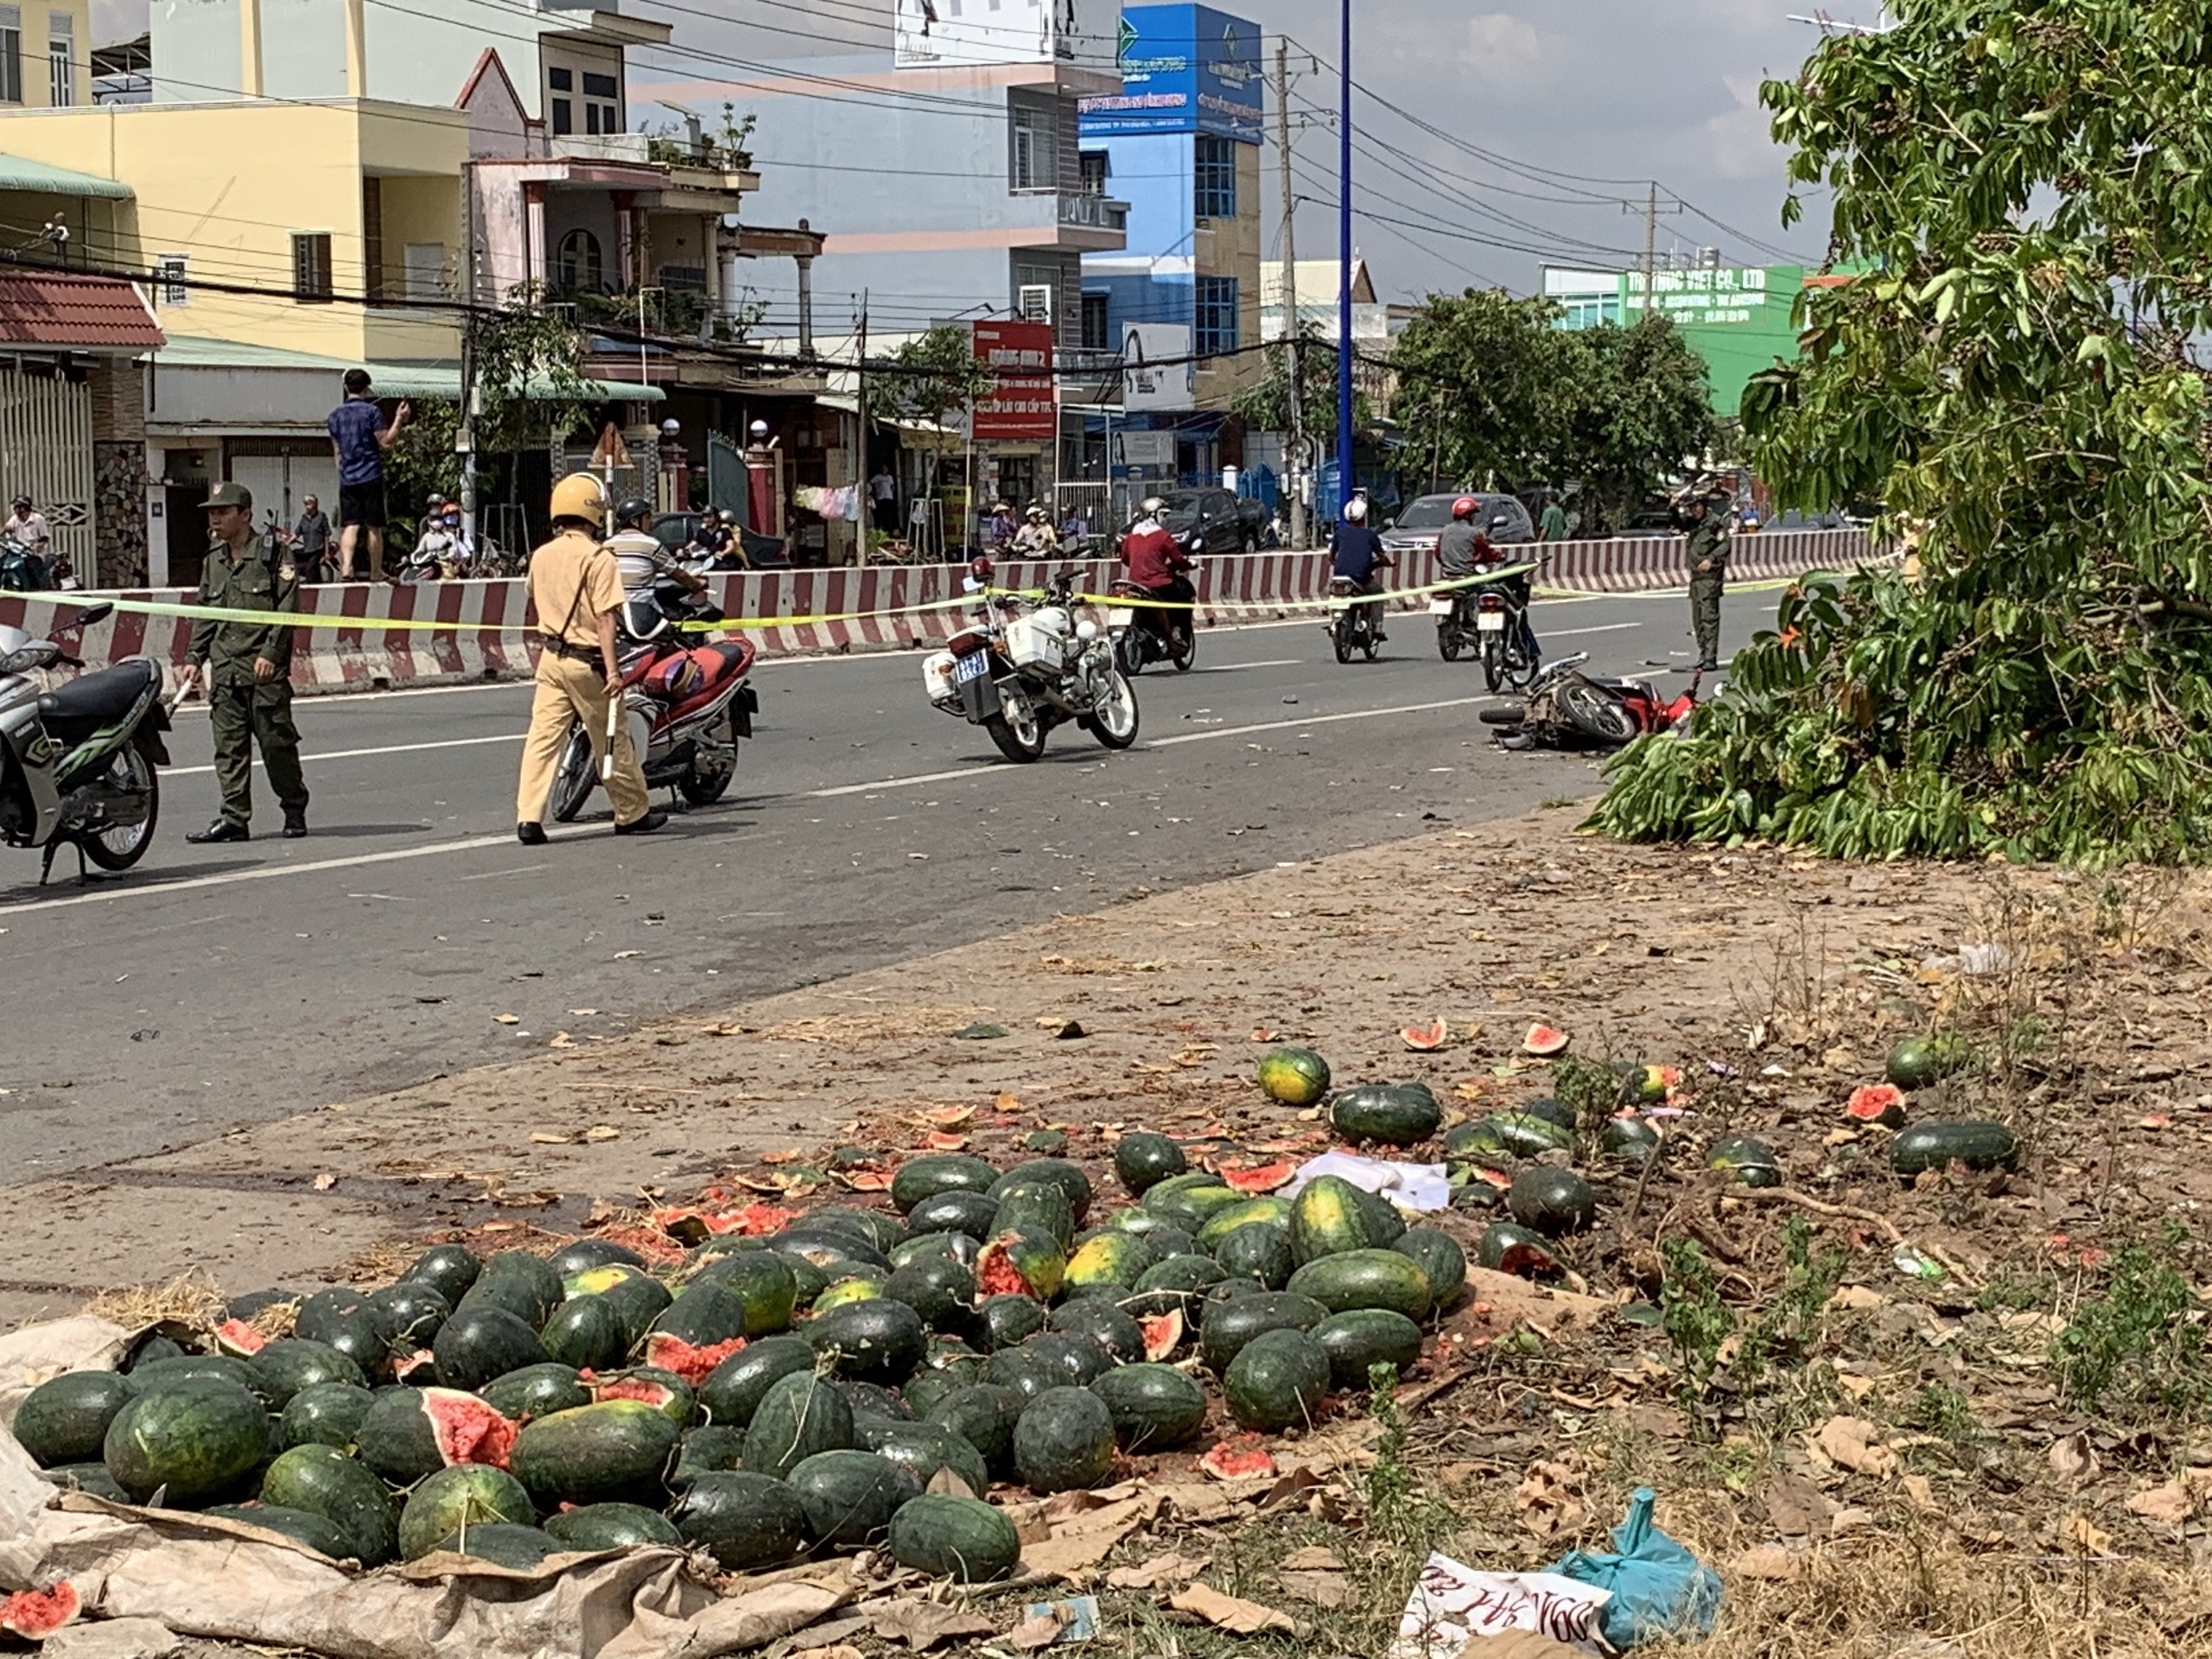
{"x":360,"y":439}
{"x":575,"y":591}
{"x":1701,"y":513}
{"x":1553,"y":525}
{"x":312,"y":540}
{"x":247,"y":667}
{"x":883,"y":490}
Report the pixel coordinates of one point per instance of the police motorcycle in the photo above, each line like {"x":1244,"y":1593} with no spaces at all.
{"x":1018,"y":673}
{"x":78,"y":762}
{"x":687,"y":705}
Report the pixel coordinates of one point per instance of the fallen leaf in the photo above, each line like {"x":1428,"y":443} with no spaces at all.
{"x":1769,"y":1561}
{"x":625,"y":955}
{"x":842,"y":1650}
{"x":548,"y":1138}
{"x":1858,"y":1296}
{"x":2171,"y":1504}
{"x":1547,"y":1506}
{"x":1007,"y":1105}
{"x":2078,"y":1533}
{"x":600,"y":1134}
{"x":1852,"y":1443}
{"x":923,"y":1624}
{"x":1797,"y":1508}
{"x":1314,"y":1558}
{"x":1160,"y":1569}
{"x":1330,"y":1589}
{"x":1034,"y":1633}
{"x":2074,"y":1458}
{"x":508,"y":1019}
{"x":1917,"y":1489}
{"x":325,"y":1181}
{"x":948,"y":1485}
{"x":1231,"y":1613}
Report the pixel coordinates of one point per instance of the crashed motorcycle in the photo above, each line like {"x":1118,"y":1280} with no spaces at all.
{"x":687,"y":705}
{"x":78,"y":762}
{"x":1018,"y":673}
{"x":1569,"y":709}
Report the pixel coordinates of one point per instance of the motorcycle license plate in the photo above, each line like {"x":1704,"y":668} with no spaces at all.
{"x":1490,"y":622}
{"x":1120,"y":618}
{"x":978,"y":667}
{"x":1441,"y":606}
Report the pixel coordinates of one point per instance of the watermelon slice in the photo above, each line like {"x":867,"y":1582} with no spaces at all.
{"x":1266,"y":1179}
{"x":693,"y":1364}
{"x":239,"y":1339}
{"x":467,"y":1430}
{"x":37,"y":1614}
{"x":1543,"y":1041}
{"x":1877,"y":1103}
{"x":1424,"y":1039}
{"x":1243,"y":1458}
{"x":1162,"y":1335}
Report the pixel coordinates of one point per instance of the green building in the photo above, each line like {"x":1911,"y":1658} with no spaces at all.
{"x":1737,"y":318}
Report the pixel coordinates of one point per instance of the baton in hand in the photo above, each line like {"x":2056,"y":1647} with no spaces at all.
{"x":613,"y":725}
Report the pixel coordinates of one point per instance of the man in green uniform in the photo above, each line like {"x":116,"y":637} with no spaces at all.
{"x":247,"y":667}
{"x":1701,"y":511}
{"x":1553,"y":525}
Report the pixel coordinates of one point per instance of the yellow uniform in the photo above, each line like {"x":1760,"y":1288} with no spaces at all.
{"x":573,"y":582}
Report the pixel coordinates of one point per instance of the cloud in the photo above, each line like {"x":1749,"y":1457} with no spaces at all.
{"x":1740,"y":140}
{"x":1499,"y":46}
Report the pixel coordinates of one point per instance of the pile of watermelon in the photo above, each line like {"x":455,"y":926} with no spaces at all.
{"x":853,"y":1377}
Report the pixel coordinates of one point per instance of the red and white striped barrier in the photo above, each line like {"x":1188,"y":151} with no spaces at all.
{"x":487,"y":634}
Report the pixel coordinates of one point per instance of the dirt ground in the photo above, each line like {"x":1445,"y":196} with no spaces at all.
{"x":1860,"y":1405}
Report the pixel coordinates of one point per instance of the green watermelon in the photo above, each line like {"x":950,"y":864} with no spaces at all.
{"x":1440,"y":1258}
{"x":877,"y":1341}
{"x":611,"y":1526}
{"x":1361,"y":1279}
{"x":963,"y":1211}
{"x":482,"y":1342}
{"x":1920,"y":1062}
{"x":66,"y":1420}
{"x":587,"y":1334}
{"x":744,"y":1520}
{"x":1110,"y":1257}
{"x":1153,"y":1407}
{"x":322,"y":1480}
{"x":593,"y":1453}
{"x":733,"y":1390}
{"x":1175,"y":1284}
{"x":1064,"y":1441}
{"x":1098,"y":1320}
{"x":924,"y":1450}
{"x":1261,"y":1250}
{"x":536,"y":1391}
{"x":1360,"y":1338}
{"x":957,"y":1538}
{"x":520,"y":1549}
{"x":1294,"y":1076}
{"x":849,"y":1497}
{"x":449,"y":1269}
{"x":1279,"y":1380}
{"x":297,"y":1525}
{"x":1143,"y":1159}
{"x":1553,"y":1201}
{"x":1074,"y":1184}
{"x":798,"y":1416}
{"x":328,"y":1414}
{"x":1331,"y":1215}
{"x":924,"y":1177}
{"x":467,"y":1496}
{"x":984,"y":1415}
{"x":1228,"y":1327}
{"x":1397,"y":1114}
{"x":407,"y":1433}
{"x":192,"y":1439}
{"x":1020,"y":1264}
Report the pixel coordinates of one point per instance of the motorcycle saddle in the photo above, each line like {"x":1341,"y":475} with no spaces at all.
{"x":75,"y":710}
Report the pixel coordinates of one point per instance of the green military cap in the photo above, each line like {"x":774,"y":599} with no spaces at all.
{"x":231,"y":495}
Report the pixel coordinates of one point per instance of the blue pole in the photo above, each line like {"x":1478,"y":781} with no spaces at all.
{"x":1343,"y":300}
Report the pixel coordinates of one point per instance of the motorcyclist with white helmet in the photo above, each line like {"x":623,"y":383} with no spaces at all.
{"x":1358,"y":554}
{"x":1156,"y":562}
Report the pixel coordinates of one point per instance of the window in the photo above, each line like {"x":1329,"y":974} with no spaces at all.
{"x":560,"y":81}
{"x":591,"y":120}
{"x":1098,"y":168}
{"x":61,"y":59}
{"x":11,"y":55}
{"x":577,"y":265}
{"x":1216,"y":321}
{"x":610,"y":119}
{"x":1096,"y":321}
{"x":311,"y":267}
{"x":1216,"y":183}
{"x":600,"y":87}
{"x":169,"y":286}
{"x":564,"y":118}
{"x":1036,"y":140}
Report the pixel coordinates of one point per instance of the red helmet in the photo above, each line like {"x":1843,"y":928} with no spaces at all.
{"x":1465,"y":507}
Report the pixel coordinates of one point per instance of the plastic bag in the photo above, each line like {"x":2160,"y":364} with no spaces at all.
{"x":1658,"y":1587}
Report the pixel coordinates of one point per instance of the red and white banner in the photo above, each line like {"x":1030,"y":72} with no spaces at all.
{"x":1022,"y":407}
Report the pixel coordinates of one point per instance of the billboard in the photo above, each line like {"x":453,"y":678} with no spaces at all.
{"x":1184,"y":69}
{"x":940,"y":34}
{"x":1022,"y":408}
{"x":1172,"y":386}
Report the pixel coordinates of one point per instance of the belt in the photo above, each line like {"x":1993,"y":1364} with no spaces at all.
{"x":575,"y":653}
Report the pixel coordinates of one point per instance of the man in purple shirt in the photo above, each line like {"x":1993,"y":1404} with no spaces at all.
{"x":360,"y":438}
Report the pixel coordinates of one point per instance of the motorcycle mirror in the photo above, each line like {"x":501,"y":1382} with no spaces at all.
{"x":981,"y":567}
{"x":95,"y":613}
{"x":970,"y":585}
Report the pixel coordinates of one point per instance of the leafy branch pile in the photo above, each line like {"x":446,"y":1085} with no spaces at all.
{"x":2022,"y":379}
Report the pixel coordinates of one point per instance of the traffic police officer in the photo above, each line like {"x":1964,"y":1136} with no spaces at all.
{"x":575,"y":591}
{"x":247,"y":667}
{"x":1701,"y":511}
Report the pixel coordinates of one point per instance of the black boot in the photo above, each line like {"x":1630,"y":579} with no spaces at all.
{"x":295,"y":822}
{"x":530,"y":835}
{"x":222,"y":830}
{"x":654,"y":819}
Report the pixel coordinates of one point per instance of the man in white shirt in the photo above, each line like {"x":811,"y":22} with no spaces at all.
{"x":29,"y":527}
{"x":639,"y":554}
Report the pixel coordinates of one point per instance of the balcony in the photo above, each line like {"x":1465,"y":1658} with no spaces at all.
{"x":1072,"y":219}
{"x":704,"y":168}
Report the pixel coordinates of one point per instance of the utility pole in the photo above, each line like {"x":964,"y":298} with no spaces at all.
{"x":465,"y":437}
{"x":1297,"y":456}
{"x":1651,"y":211}
{"x":1343,"y":301}
{"x":860,"y":492}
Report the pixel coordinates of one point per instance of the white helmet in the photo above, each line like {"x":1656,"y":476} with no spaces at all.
{"x":1154,"y":506}
{"x":1355,"y":510}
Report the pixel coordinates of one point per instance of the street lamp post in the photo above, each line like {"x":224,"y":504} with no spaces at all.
{"x":1343,"y":300}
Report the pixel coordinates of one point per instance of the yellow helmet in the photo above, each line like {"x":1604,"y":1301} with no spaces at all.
{"x":581,"y":496}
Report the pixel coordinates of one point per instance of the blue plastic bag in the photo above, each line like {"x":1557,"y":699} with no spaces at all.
{"x":1659,"y":1587}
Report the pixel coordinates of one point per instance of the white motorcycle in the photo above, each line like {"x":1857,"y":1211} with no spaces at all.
{"x":1018,"y":673}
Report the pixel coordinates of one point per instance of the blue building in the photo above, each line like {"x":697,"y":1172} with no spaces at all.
{"x":1180,"y":144}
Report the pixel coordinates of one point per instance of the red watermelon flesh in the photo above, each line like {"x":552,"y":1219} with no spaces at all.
{"x":1163,"y":1335}
{"x":1877,"y":1103}
{"x":467,"y":1430}
{"x":659,"y":1395}
{"x":667,"y":1353}
{"x":1238,"y":1459}
{"x":1422,"y":1038}
{"x":1266,"y":1179}
{"x":38,"y":1613}
{"x":1544,"y":1041}
{"x":236,"y":1337}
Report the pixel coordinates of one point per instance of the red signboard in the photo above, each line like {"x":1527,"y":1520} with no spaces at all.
{"x":1022,"y":408}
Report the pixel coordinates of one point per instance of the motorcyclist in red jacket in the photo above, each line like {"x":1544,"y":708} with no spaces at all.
{"x":1155,"y":562}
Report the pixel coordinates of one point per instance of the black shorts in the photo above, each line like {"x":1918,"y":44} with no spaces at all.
{"x":362,"y":504}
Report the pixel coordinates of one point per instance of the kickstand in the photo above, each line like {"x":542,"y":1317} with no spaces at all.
{"x":54,"y":846}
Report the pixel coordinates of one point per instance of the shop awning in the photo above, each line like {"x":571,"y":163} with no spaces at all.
{"x":38,"y":178}
{"x":391,"y":379}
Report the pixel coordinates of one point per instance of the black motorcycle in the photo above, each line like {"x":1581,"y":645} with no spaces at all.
{"x":1491,"y":618}
{"x":1157,"y":637}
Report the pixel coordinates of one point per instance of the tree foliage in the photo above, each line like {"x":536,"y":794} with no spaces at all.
{"x":1265,"y":405}
{"x":1495,"y":391}
{"x":934,"y":375}
{"x":530,"y":375}
{"x":2021,"y":379}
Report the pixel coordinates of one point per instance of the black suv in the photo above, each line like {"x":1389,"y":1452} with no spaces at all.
{"x":1224,"y":521}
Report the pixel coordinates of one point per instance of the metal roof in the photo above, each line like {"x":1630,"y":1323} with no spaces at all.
{"x":70,"y":309}
{"x":19,"y":173}
{"x":391,"y":379}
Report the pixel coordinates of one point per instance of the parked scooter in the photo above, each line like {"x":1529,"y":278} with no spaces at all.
{"x":1018,"y":675}
{"x":78,"y":763}
{"x":687,"y":705}
{"x":1568,"y":710}
{"x":23,"y":571}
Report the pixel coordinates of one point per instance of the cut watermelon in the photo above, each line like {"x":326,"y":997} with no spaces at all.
{"x":38,"y":1613}
{"x":237,"y":1338}
{"x":1544,"y":1042}
{"x":1243,"y":1458}
{"x":1877,"y":1103}
{"x":1424,"y":1039}
{"x":1266,"y":1179}
{"x":670,"y":1353}
{"x":1162,"y":1335}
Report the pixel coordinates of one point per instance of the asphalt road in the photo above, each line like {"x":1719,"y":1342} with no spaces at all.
{"x":215,"y":987}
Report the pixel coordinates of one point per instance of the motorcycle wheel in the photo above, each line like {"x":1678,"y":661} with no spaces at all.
{"x":1372,"y":646}
{"x":1187,"y":653}
{"x":1595,"y":715}
{"x":1493,"y":662}
{"x":119,"y":849}
{"x":1115,"y":724}
{"x":574,"y":777}
{"x":1513,"y":716}
{"x":1128,"y":651}
{"x":704,"y":788}
{"x":1342,"y":640}
{"x":1447,"y":640}
{"x":1016,"y":730}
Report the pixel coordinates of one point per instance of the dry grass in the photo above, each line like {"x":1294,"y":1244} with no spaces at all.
{"x":191,"y":1299}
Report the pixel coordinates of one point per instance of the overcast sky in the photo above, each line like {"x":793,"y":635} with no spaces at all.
{"x":1621,"y":90}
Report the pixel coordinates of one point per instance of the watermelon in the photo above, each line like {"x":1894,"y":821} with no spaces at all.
{"x":763,"y":1285}
{"x":36,"y":1614}
{"x":870,"y":1400}
{"x":848,"y":1496}
{"x":1749,"y":1161}
{"x":91,"y":1479}
{"x":1175,"y":1284}
{"x":1262,"y":1179}
{"x":665,"y":1392}
{"x":1143,"y":1159}
{"x":1647,"y":1085}
{"x":1629,"y":1137}
{"x":743,"y":1519}
{"x":924,"y":1177}
{"x":1068,"y":1358}
{"x":611,"y":1526}
{"x":1397,"y":1114}
{"x":66,"y":1420}
{"x":1440,"y":1258}
{"x":235,"y":1337}
{"x":192,"y":1439}
{"x":1039,"y":1208}
{"x":410,"y":1312}
{"x":297,"y":1526}
{"x":1360,"y":1338}
{"x":879,"y":1341}
{"x":1279,"y":1380}
{"x":1163,"y":1335}
{"x":1020,"y":1264}
{"x":328,"y":1414}
{"x":1881,"y":1103}
{"x":956,"y":1538}
{"x":1153,"y":1407}
{"x":1259,"y":1250}
{"x":1365,"y":1279}
{"x":639,"y":1299}
{"x":1919,"y":1062}
{"x":1025,"y":1371}
{"x":323,"y":1481}
{"x":710,"y":1449}
{"x":465,"y":1495}
{"x":860,"y":1287}
{"x":1243,"y":1458}
{"x":1424,"y":1038}
{"x":587,"y":1334}
{"x":584,"y":1253}
{"x":1544,"y":1042}
{"x":593,"y":1453}
{"x":1976,"y":1145}
{"x":1245,"y":1213}
{"x":957,"y":1248}
{"x":1100,"y":1321}
{"x":1294,"y":1076}
{"x":963,"y":1211}
{"x":483,"y":1342}
{"x":1331,"y":1215}
{"x":885,"y":1232}
{"x":410,"y":1433}
{"x":1110,"y":1257}
{"x":984,"y":1415}
{"x":449,"y":1269}
{"x":1064,"y":1441}
{"x":940,"y":1290}
{"x":798,"y":1416}
{"x":1074,"y":1184}
{"x":1509,"y":1134}
{"x":519,"y":1550}
{"x":1509,"y":1248}
{"x":1552,"y":1201}
{"x":536,"y":1391}
{"x":1009,"y":1320}
{"x":1230,"y":1325}
{"x":924,"y":1450}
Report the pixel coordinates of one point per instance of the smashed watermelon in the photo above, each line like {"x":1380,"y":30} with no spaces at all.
{"x":36,"y":1614}
{"x":1544,"y":1041}
{"x":1423,"y":1038}
{"x":691,"y":1362}
{"x":1877,"y":1103}
{"x":239,"y":1339}
{"x":1163,"y":1334}
{"x":1242,"y":1458}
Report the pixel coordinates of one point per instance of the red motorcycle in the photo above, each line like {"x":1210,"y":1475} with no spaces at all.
{"x":1569,"y":709}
